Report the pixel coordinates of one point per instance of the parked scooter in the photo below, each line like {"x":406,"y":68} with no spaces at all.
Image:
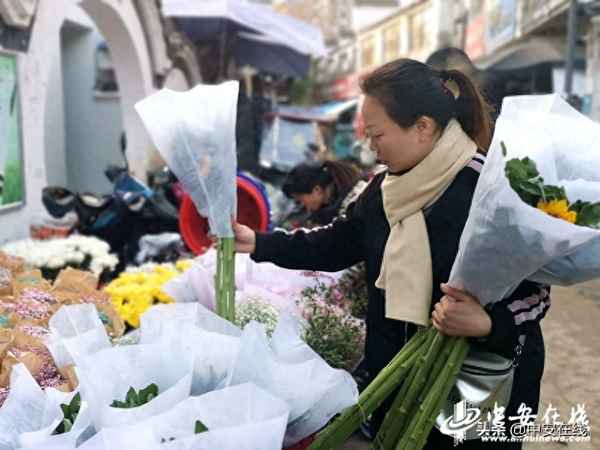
{"x":131,"y":211}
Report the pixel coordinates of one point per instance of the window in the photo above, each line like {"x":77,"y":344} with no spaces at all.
{"x":368,"y":52}
{"x":106,"y":80}
{"x":416,"y":32}
{"x":391,"y":43}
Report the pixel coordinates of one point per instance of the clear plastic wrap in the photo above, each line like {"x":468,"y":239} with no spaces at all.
{"x":194,"y":131}
{"x":505,"y":240}
{"x":76,"y":331}
{"x":243,"y":417}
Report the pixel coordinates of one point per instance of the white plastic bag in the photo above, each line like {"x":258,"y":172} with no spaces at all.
{"x":44,"y":439}
{"x":505,"y":240}
{"x":213,"y":349}
{"x":267,"y":282}
{"x":194,"y":131}
{"x":29,"y":415}
{"x":75,"y":332}
{"x":194,"y":285}
{"x":263,"y":281}
{"x":243,"y":417}
{"x":24,"y":409}
{"x":159,"y":316}
{"x":108,"y":375}
{"x":289,"y":369}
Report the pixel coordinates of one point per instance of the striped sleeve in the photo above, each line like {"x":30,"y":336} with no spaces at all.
{"x":477,"y":161}
{"x":514,"y":317}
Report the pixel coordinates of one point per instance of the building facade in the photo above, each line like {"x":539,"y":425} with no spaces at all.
{"x":414,"y":29}
{"x":143,"y":59}
{"x":333,"y":17}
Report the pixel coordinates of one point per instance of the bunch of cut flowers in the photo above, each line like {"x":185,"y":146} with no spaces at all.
{"x":52,"y":256}
{"x":137,"y":289}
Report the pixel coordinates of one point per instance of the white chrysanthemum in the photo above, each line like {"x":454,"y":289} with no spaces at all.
{"x":57,"y":253}
{"x":55,"y":263}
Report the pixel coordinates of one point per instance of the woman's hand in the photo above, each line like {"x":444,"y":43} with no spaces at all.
{"x":245,"y":238}
{"x":458,"y":313}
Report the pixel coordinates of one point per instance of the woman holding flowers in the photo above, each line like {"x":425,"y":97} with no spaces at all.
{"x":431,"y":129}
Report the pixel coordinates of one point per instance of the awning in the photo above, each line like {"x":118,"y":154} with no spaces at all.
{"x":263,"y":53}
{"x":202,"y":19}
{"x":328,"y":112}
{"x":524,"y":54}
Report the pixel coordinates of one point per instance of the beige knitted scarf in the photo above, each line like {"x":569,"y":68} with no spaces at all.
{"x":406,"y":273}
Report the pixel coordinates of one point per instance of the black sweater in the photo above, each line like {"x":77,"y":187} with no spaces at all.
{"x":361,"y":236}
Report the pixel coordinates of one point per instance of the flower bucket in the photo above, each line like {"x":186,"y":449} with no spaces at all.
{"x":253,"y":211}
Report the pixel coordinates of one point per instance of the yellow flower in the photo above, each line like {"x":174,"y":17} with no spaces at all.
{"x":183,"y":264}
{"x":558,"y":209}
{"x":133,"y":293}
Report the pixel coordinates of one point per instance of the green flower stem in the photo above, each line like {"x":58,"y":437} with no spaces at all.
{"x":219,"y":279}
{"x":386,"y":433}
{"x":439,"y":365}
{"x":225,"y":278}
{"x":422,"y":422}
{"x":394,"y":422}
{"x":454,"y":368}
{"x":402,"y":408}
{"x":230,"y":255}
{"x":334,"y":435}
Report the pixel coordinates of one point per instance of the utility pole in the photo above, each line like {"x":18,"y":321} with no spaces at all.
{"x":594,"y":67}
{"x":571,"y":47}
{"x":591,"y":8}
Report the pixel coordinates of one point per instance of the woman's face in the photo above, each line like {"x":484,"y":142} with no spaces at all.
{"x":312,"y":202}
{"x":398,"y":148}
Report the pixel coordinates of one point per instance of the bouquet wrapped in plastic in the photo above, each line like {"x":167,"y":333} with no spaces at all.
{"x":194,"y":131}
{"x":210,"y":341}
{"x":248,"y":386}
{"x":507,"y":240}
{"x":284,"y":365}
{"x":291,"y":370}
{"x":75,"y":331}
{"x":208,"y":422}
{"x":32,"y":418}
{"x":107,"y":377}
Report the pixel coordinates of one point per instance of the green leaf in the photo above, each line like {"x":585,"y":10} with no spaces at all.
{"x":531,"y":188}
{"x":75,"y":404}
{"x":67,"y":425}
{"x":132,"y":397}
{"x":70,"y":412}
{"x":199,"y":427}
{"x":521,"y":169}
{"x":554,"y":193}
{"x":149,"y":393}
{"x":588,"y":214}
{"x":66,"y":410}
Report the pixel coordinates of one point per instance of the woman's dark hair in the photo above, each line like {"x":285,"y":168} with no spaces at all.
{"x":451,"y":58}
{"x":409,"y":89}
{"x":306,"y":176}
